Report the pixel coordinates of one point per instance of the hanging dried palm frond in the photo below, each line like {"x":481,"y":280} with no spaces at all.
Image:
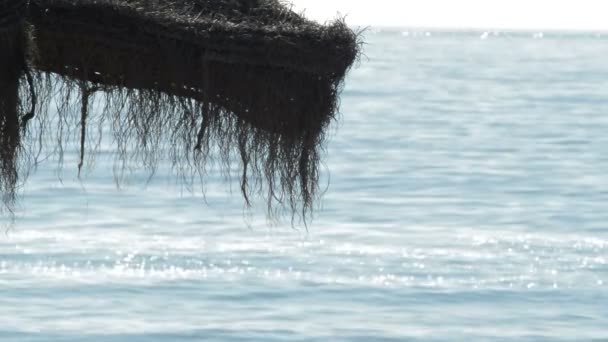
{"x":12,"y":69}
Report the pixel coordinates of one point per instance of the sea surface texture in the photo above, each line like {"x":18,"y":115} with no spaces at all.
{"x":467,"y":201}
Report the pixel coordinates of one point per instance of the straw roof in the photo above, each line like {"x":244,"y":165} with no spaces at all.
{"x":178,"y":80}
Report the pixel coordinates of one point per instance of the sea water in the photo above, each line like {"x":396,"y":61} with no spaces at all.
{"x":467,"y":200}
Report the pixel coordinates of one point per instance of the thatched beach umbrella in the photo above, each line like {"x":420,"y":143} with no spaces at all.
{"x":248,"y":78}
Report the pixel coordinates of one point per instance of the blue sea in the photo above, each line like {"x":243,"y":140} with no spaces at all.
{"x":467,"y":200}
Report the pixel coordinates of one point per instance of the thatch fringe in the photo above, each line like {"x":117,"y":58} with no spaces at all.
{"x":248,"y":79}
{"x":12,"y":67}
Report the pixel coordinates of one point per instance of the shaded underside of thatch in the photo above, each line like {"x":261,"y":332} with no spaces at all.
{"x":176,"y":81}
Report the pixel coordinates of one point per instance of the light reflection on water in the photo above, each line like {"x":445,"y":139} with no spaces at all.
{"x":467,"y":201}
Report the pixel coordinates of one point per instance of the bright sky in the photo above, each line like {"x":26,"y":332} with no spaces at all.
{"x":499,"y":14}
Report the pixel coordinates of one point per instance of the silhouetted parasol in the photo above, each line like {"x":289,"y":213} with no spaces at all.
{"x":176,"y":80}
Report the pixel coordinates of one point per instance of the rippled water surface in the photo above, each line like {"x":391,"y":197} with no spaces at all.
{"x":468,"y":200}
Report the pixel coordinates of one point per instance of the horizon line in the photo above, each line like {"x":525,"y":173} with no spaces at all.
{"x":478,"y":29}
